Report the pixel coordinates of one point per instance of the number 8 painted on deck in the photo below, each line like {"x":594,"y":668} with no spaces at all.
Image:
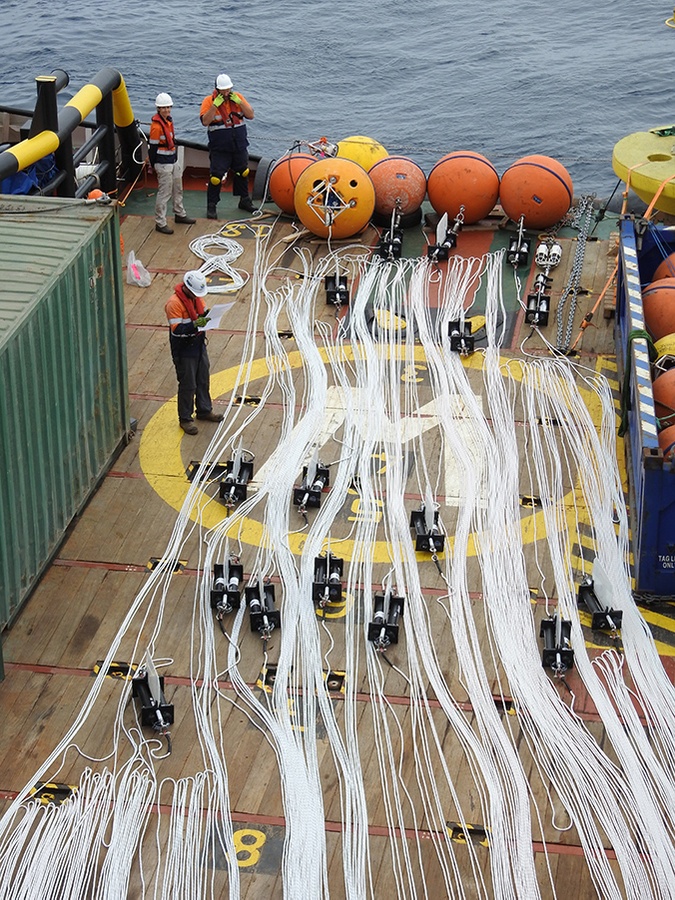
{"x":252,"y":848}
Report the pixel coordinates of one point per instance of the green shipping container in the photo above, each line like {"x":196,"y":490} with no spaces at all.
{"x":63,"y":376}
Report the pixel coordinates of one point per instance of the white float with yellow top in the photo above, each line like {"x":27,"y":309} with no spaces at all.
{"x":645,"y":160}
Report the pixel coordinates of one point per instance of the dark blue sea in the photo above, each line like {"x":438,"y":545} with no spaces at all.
{"x":505,"y":79}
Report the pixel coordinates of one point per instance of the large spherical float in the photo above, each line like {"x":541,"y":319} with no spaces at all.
{"x":399,"y":184}
{"x":362,"y":150}
{"x":666,"y":268}
{"x":663,"y":388}
{"x":284,"y":177}
{"x":667,"y":442}
{"x":658,"y":304}
{"x":665,"y":351}
{"x":463,"y":178}
{"x":538,"y":188}
{"x":334,"y":198}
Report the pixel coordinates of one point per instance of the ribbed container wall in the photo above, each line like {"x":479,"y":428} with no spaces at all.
{"x":63,"y":376}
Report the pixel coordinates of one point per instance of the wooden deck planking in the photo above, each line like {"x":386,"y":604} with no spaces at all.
{"x":76,"y":611}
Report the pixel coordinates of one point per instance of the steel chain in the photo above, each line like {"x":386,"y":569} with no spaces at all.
{"x":581,"y":219}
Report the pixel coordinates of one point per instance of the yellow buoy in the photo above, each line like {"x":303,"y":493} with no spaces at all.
{"x":362,"y":150}
{"x":645,"y":161}
{"x":334,"y":198}
{"x":665,"y":352}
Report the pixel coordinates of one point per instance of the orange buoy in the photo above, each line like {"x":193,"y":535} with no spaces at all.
{"x":667,"y":442}
{"x":283,"y":178}
{"x":334,"y":198}
{"x":463,"y":178}
{"x":666,"y":268}
{"x":663,"y":388}
{"x":95,"y":194}
{"x":538,"y":188}
{"x":658,"y":304}
{"x":399,"y":183}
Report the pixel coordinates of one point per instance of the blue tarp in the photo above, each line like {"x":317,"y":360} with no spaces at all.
{"x":31,"y":179}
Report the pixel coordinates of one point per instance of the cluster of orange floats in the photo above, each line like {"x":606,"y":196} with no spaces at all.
{"x":337,"y":195}
{"x":658,"y":305}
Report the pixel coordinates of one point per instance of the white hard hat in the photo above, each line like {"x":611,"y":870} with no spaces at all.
{"x":163,"y":100}
{"x":195,"y":281}
{"x":223,"y":82}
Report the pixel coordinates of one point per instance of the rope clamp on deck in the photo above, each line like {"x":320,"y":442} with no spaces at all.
{"x":383,"y":630}
{"x":327,"y":585}
{"x":225,"y":593}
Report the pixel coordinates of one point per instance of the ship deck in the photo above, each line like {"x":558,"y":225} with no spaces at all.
{"x":413,"y":720}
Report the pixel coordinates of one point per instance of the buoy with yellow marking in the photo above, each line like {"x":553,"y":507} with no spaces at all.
{"x":399,"y":184}
{"x":284,"y":177}
{"x":665,"y":352}
{"x":334,"y":198}
{"x":658,"y":306}
{"x":645,"y":160}
{"x":362,"y":150}
{"x":538,"y":188}
{"x":463,"y":178}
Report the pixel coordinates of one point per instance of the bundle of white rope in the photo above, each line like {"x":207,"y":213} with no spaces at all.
{"x":219,"y":262}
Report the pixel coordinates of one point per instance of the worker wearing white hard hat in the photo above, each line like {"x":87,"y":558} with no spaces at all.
{"x":224,"y":112}
{"x":188,"y":316}
{"x":163,"y":157}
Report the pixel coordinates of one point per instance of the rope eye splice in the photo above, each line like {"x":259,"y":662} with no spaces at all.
{"x":391,"y":241}
{"x":446,"y":237}
{"x":148,"y":687}
{"x":327,"y":585}
{"x":263,"y":615}
{"x":518,"y":253}
{"x":239,"y":471}
{"x":383,"y":630}
{"x":315,"y":477}
{"x":225,"y":593}
{"x":557,"y":654}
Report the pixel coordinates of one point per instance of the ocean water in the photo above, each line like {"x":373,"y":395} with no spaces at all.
{"x":505,"y":79}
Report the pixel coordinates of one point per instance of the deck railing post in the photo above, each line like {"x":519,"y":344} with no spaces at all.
{"x":46,"y":116}
{"x":105,"y":118}
{"x":64,"y":161}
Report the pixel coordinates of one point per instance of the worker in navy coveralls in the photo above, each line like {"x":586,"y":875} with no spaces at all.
{"x":224,"y":113}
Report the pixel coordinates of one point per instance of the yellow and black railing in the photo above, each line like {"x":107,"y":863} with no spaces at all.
{"x":52,"y":130}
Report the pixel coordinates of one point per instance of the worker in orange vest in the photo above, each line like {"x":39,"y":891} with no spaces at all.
{"x":187,"y":316}
{"x":224,"y":113}
{"x":163,"y":158}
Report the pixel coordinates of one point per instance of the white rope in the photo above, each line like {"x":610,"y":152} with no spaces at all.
{"x":219,"y":262}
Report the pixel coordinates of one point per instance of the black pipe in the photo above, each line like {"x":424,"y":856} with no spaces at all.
{"x":91,"y":144}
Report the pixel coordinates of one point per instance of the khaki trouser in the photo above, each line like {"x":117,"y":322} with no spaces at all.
{"x":169,"y":187}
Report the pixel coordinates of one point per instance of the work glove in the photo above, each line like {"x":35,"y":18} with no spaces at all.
{"x":235,"y":98}
{"x":218,"y":100}
{"x":201,"y":321}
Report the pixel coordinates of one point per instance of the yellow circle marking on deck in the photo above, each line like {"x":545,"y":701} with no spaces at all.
{"x":162,"y":464}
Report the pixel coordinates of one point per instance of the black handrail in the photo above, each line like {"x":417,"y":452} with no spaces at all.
{"x":51,"y":131}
